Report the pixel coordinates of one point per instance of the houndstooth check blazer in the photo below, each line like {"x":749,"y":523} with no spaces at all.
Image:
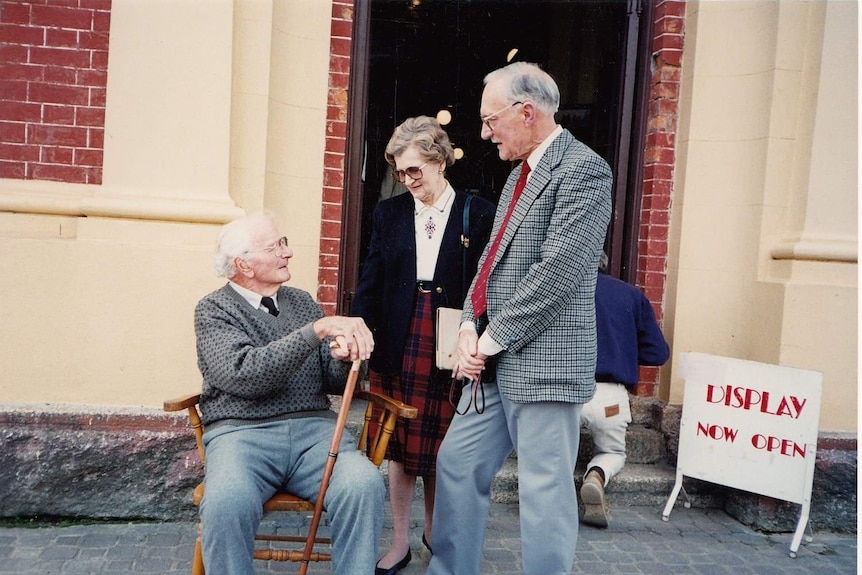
{"x":541,"y":290}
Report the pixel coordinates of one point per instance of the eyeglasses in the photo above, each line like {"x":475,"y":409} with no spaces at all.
{"x":486,"y":120}
{"x":414,"y":173}
{"x":281,"y":243}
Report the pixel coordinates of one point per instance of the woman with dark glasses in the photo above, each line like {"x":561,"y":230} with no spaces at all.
{"x":416,"y":263}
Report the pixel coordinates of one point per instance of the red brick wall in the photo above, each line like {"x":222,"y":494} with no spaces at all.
{"x":53,"y":73}
{"x":659,"y":161}
{"x":336,"y":143}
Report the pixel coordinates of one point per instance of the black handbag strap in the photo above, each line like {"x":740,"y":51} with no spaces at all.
{"x":465,"y":242}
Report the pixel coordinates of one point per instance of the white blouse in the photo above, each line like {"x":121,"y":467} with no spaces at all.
{"x":429,"y":224}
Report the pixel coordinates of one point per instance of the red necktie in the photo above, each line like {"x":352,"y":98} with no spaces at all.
{"x":480,"y":290}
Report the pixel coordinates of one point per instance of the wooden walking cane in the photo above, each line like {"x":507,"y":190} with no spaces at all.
{"x":346,"y":398}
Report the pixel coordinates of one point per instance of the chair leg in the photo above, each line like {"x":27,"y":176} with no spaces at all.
{"x":198,"y":561}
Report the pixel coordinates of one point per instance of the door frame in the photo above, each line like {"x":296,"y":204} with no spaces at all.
{"x":624,"y":230}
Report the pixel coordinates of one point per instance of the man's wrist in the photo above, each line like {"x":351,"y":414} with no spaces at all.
{"x":467,"y":325}
{"x":488,"y":346}
{"x":311,"y":335}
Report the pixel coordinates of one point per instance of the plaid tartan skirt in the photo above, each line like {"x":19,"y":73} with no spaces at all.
{"x":415,"y":442}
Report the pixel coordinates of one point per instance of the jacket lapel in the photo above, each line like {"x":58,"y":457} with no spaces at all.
{"x":539,"y":179}
{"x":452,"y":233}
{"x":404,"y":236}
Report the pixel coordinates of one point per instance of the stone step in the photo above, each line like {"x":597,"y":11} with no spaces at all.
{"x":643,"y":444}
{"x":645,"y":480}
{"x":638,"y":484}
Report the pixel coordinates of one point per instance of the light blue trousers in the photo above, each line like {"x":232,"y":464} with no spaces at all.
{"x":245,"y":465}
{"x":545,"y":436}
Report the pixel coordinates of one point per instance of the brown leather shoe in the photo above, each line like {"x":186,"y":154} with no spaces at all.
{"x":593,"y":496}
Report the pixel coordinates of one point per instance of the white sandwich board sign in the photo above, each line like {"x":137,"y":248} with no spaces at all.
{"x":750,"y":426}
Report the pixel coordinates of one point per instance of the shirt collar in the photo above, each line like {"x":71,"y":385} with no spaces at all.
{"x":253,"y":298}
{"x":536,"y":155}
{"x":440,"y":205}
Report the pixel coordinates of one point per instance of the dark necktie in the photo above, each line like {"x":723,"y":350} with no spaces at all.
{"x":269,"y":305}
{"x":480,"y":290}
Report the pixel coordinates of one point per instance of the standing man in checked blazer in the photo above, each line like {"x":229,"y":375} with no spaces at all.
{"x":530,"y":311}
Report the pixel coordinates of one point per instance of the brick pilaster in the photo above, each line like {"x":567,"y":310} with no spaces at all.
{"x":336,"y":142}
{"x":659,"y":162}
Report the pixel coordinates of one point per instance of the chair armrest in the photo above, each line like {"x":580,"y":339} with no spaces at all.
{"x":181,"y":403}
{"x":189,"y":403}
{"x":386,"y":402}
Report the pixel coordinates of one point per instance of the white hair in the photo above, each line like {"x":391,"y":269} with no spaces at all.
{"x":235,"y":240}
{"x":526,"y":81}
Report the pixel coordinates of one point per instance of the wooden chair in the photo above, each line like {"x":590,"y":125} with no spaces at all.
{"x":374,"y":447}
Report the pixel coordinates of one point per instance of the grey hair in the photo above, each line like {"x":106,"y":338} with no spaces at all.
{"x":526,"y":81}
{"x":425,"y":133}
{"x":235,"y":240}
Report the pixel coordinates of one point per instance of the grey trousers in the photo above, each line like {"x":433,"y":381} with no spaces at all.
{"x":545,"y":436}
{"x":247,"y":464}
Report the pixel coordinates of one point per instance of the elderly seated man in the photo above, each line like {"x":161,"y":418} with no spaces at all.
{"x":263,"y":350}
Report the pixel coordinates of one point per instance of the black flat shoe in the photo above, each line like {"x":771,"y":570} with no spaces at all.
{"x":427,"y":546}
{"x":395,"y":568}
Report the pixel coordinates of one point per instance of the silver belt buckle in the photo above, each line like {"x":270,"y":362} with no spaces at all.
{"x":420,"y":286}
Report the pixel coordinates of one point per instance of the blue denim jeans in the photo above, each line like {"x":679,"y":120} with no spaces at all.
{"x":245,"y":465}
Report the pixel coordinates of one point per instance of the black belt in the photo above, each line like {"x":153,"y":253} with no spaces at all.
{"x":425,"y":286}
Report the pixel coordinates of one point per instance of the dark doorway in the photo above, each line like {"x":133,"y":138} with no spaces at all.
{"x":427,"y":56}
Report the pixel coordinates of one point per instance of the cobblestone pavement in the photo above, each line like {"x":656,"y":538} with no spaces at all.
{"x":692,"y":542}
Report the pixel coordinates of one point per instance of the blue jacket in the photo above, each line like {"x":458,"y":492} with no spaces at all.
{"x":627,"y":331}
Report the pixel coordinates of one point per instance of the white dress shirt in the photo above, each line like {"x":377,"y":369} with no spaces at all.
{"x":253,"y":298}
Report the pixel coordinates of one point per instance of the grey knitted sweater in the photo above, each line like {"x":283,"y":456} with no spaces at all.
{"x":256,"y":366}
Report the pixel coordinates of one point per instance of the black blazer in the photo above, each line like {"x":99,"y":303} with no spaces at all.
{"x":387,"y":284}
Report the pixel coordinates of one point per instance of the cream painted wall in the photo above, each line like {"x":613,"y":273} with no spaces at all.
{"x":280,"y":84}
{"x":101,"y":281}
{"x":764,"y":217}
{"x":100,"y":309}
{"x":216,"y":108}
{"x":296,"y":137}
